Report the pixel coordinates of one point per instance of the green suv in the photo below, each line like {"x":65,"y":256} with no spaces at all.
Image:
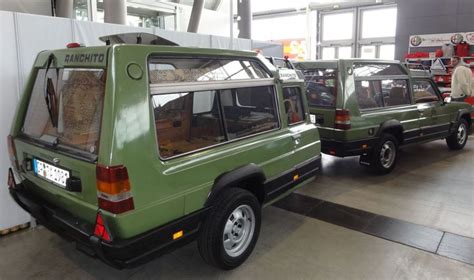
{"x":370,"y":108}
{"x":131,"y":149}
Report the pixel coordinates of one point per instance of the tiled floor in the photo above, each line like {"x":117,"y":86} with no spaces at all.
{"x":431,"y":187}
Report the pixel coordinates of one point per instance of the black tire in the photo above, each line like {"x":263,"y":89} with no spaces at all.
{"x":385,"y":154}
{"x":211,"y":237}
{"x":458,"y":139}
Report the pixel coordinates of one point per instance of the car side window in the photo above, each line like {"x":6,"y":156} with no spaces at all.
{"x":395,"y":92}
{"x":186,"y":121}
{"x":423,"y":92}
{"x":293,"y":104}
{"x":249,"y":110}
{"x":369,"y":94}
{"x":381,"y":93}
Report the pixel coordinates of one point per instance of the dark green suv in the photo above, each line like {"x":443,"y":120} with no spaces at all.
{"x":370,"y":108}
{"x":131,"y":150}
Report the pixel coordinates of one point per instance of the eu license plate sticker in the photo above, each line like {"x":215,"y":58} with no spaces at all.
{"x":51,"y":173}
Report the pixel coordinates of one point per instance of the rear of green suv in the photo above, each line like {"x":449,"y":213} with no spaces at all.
{"x":370,"y":108}
{"x":131,"y":150}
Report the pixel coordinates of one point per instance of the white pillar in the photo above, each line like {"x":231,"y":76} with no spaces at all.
{"x":64,"y":8}
{"x":115,"y":11}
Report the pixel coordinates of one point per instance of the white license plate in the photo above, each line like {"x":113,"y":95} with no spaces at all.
{"x":51,"y":173}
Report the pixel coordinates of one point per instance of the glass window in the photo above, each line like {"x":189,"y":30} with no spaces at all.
{"x":320,"y":87}
{"x":423,"y":91}
{"x":344,"y":52}
{"x":67,"y":112}
{"x":329,"y":53}
{"x":367,"y":70}
{"x":367,"y":52}
{"x":387,"y":52}
{"x":395,"y":92}
{"x":293,"y":104}
{"x":249,"y":111}
{"x":378,"y":23}
{"x":338,"y":26}
{"x":369,"y":94}
{"x":186,"y":122}
{"x":279,"y":28}
{"x":81,"y":11}
{"x":175,"y":70}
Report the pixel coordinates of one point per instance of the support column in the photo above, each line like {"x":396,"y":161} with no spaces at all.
{"x":64,"y":8}
{"x":244,"y":13}
{"x":195,"y":18}
{"x":115,"y":11}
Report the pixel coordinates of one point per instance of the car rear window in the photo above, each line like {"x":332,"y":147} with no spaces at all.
{"x":321,"y":88}
{"x":65,"y":108}
{"x":202,"y":69}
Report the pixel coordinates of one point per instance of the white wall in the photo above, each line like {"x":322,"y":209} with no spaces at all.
{"x":23,"y":36}
{"x":10,"y":213}
{"x":38,"y":7}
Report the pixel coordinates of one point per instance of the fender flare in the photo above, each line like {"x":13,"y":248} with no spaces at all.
{"x":462,"y":112}
{"x":233,"y":178}
{"x":388,"y":125}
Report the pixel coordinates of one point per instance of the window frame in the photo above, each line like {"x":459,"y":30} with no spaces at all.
{"x":433,"y":85}
{"x":221,"y":120}
{"x":380,"y":79}
{"x":153,"y":56}
{"x":336,"y":88}
{"x":336,"y":44}
{"x":302,"y":96}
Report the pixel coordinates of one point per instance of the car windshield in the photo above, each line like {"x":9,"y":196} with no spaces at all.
{"x":65,"y":108}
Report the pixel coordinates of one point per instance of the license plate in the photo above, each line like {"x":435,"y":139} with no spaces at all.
{"x":51,"y":173}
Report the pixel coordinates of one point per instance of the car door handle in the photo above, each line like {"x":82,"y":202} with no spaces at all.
{"x":296,"y":136}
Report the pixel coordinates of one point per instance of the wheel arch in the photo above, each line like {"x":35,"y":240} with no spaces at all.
{"x":249,"y":177}
{"x":393,"y":127}
{"x":464,"y":114}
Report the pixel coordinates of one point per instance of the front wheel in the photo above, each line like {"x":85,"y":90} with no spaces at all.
{"x":229,"y":233}
{"x":384,"y":155}
{"x":458,"y":139}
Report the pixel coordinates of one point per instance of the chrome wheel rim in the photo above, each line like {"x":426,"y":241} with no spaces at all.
{"x":461,"y":134}
{"x":239,"y":230}
{"x":387,"y":154}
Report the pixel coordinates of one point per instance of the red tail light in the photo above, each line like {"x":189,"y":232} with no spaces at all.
{"x":113,"y":189}
{"x":343,"y":119}
{"x":12,"y":152}
{"x":100,"y":229}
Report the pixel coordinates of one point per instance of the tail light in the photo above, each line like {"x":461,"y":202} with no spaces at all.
{"x":12,"y":152}
{"x":113,"y":189}
{"x":101,"y":230}
{"x":343,"y":119}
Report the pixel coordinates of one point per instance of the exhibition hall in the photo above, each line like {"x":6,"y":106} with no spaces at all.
{"x":236,"y":139}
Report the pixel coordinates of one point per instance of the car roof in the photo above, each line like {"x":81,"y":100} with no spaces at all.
{"x":333,"y":63}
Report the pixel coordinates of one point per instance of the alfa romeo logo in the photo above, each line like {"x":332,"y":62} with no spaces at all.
{"x":457,"y":38}
{"x":415,"y":40}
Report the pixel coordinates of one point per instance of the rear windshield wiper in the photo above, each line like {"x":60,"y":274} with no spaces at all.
{"x":50,"y":94}
{"x":51,"y":102}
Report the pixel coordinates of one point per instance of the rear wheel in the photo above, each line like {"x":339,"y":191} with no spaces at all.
{"x":384,"y":155}
{"x":458,"y":139}
{"x":229,"y":233}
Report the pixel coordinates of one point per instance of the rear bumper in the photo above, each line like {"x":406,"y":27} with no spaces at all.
{"x":349,"y":148}
{"x":122,"y":253}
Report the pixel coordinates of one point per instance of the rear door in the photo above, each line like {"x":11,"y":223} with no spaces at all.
{"x":321,"y":93}
{"x":58,"y":143}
